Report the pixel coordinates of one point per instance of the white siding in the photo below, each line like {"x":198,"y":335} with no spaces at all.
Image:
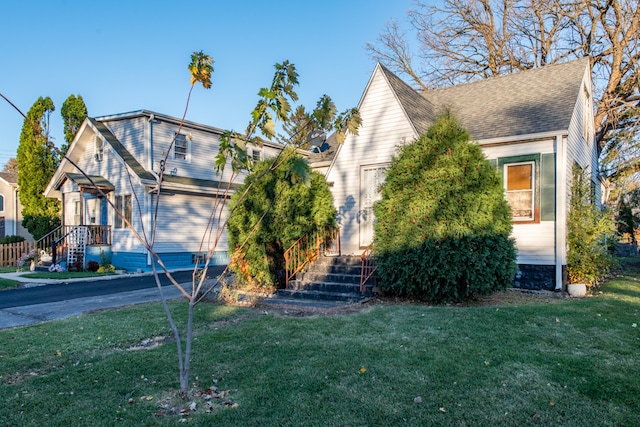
{"x":535,"y":242}
{"x":182,"y":223}
{"x":384,"y":127}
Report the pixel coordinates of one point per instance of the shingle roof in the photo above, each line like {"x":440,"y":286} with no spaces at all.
{"x":11,"y":178}
{"x":83,"y":181}
{"x":529,"y":102}
{"x":420,"y":110}
{"x":122,"y":151}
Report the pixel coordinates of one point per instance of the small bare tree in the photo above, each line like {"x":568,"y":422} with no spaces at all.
{"x":273,"y":106}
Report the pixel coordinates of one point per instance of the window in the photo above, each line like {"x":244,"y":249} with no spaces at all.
{"x":77,"y":210}
{"x":181,"y":147}
{"x":199,"y":259}
{"x":123,"y":205}
{"x":519,"y":186}
{"x":98,"y":147}
{"x":256,"y":154}
{"x":1,"y":203}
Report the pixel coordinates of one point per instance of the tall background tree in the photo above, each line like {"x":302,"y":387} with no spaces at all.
{"x":73,"y":113}
{"x":11,"y":166}
{"x":37,"y":162}
{"x":466,"y":40}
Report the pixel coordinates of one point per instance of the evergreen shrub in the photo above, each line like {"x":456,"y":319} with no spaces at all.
{"x":282,"y":208}
{"x":442,"y":224}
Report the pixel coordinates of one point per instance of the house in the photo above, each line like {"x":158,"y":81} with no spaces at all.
{"x":10,"y":208}
{"x":122,"y":156}
{"x":533,"y":124}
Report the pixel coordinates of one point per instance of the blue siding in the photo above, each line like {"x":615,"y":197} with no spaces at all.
{"x":132,"y":262}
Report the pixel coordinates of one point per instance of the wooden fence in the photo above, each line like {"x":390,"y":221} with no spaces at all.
{"x":10,"y":253}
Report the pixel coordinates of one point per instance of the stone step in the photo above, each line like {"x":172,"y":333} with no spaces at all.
{"x":298,"y":285}
{"x":353,"y":261}
{"x":318,"y":295}
{"x":333,"y":269}
{"x":315,"y":276}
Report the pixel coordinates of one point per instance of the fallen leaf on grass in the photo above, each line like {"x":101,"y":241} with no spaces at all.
{"x":417,"y":399}
{"x":442,"y":410}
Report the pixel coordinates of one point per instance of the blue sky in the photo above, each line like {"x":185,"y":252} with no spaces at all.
{"x":127,"y":55}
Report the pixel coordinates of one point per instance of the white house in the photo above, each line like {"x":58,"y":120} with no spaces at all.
{"x":534,"y":124}
{"x":11,"y":208}
{"x":123,"y":154}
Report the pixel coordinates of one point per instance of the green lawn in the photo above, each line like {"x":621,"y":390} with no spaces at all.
{"x":563,"y":363}
{"x":8,"y":283}
{"x":64,"y":275}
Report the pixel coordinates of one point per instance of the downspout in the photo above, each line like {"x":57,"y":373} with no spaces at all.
{"x":14,"y":231}
{"x":148,"y":197}
{"x":561,"y":210}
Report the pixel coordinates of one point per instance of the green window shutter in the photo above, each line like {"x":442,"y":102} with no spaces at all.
{"x":548,"y":187}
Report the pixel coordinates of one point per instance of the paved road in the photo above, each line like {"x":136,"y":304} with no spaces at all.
{"x":55,"y":292}
{"x":25,"y":306}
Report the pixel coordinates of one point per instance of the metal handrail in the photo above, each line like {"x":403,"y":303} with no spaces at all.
{"x":368,"y":267}
{"x":308,"y":248}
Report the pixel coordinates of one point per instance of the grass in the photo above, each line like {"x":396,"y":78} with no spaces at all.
{"x":8,"y":283}
{"x":64,"y":275}
{"x":563,"y":362}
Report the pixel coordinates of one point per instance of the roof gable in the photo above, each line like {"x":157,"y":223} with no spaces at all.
{"x":529,"y":102}
{"x":9,"y":178}
{"x":420,"y":110}
{"x":124,"y":154}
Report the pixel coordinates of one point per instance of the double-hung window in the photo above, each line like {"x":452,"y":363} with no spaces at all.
{"x":181,"y":149}
{"x":123,"y":205}
{"x":520,"y":190}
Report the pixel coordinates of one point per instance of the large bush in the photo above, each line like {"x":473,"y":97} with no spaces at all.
{"x":291,"y":208}
{"x":443,"y":224}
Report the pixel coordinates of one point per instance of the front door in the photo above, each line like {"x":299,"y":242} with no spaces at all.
{"x":371,"y":177}
{"x":104,"y":213}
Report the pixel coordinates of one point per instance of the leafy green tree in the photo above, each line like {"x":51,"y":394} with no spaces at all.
{"x":277,"y":211}
{"x":588,"y":232}
{"x":628,"y":221}
{"x":73,"y":113}
{"x":37,"y":162}
{"x":443,"y":224}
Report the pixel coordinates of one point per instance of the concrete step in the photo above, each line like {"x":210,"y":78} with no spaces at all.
{"x":313,"y":276}
{"x":325,"y":286}
{"x":318,"y":295}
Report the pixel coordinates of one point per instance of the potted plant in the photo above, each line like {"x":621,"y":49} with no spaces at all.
{"x":588,"y":257}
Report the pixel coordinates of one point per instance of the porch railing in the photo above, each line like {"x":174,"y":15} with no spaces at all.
{"x":368,"y":267}
{"x":308,"y":248}
{"x":54,"y":244}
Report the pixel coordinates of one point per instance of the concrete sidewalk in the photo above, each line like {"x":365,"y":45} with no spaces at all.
{"x":37,"y":313}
